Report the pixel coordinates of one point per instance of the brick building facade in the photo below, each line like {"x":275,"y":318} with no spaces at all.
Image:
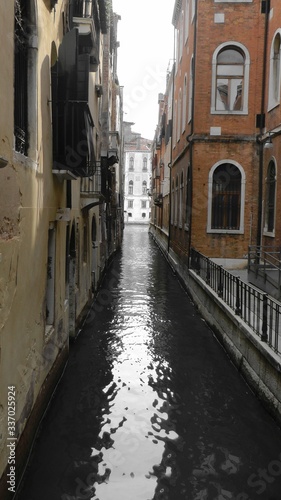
{"x":226,"y":104}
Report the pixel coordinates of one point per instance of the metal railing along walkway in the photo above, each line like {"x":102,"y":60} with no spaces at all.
{"x":260,"y":311}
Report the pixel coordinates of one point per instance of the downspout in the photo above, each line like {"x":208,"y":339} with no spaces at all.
{"x":171,"y":146}
{"x":262,"y":124}
{"x":189,"y":137}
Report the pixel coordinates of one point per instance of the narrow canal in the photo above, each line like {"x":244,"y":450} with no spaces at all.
{"x":150,"y":407}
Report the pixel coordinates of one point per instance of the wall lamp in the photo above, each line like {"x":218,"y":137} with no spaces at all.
{"x":268,"y":143}
{"x":3,"y":162}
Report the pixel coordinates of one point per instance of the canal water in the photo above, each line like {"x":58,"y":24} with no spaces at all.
{"x":150,"y":406}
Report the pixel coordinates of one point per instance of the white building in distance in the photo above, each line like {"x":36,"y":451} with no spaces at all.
{"x":137,"y":171}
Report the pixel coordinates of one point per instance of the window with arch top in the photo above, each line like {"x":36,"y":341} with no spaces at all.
{"x":226,"y":198}
{"x":230,"y":79}
{"x":269,"y":222}
{"x":274,"y":72}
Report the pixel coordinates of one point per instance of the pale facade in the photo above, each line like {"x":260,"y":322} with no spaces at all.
{"x":137,"y":180}
{"x":61,"y":216}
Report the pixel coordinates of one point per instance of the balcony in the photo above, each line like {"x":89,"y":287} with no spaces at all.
{"x":114,"y":143}
{"x":90,"y":192}
{"x":158,"y":200}
{"x":83,"y":18}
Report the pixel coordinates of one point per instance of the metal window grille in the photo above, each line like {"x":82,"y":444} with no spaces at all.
{"x":20,"y":76}
{"x":226,"y":197}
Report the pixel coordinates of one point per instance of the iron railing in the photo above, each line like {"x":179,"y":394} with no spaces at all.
{"x":261,"y":312}
{"x":91,"y":184}
{"x":266,"y":260}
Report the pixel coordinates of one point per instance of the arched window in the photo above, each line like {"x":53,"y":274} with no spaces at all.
{"x":270,"y":198}
{"x":144,"y":187}
{"x":179,"y":111}
{"x":186,"y":20}
{"x":230,"y":80}
{"x":144,"y":164}
{"x":188,"y":199}
{"x":94,"y":230}
{"x":131,"y":163}
{"x":173,"y":202}
{"x":176,"y":201}
{"x":190,"y":96}
{"x":181,"y":200}
{"x":184,"y":104}
{"x":274,"y":72}
{"x":226,"y":198}
{"x":131,"y":187}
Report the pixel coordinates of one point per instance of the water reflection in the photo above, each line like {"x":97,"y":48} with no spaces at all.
{"x":150,"y":407}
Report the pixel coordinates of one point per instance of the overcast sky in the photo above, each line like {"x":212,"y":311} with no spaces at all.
{"x":146,"y":36}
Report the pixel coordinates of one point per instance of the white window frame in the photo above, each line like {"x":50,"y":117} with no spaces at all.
{"x":179,"y":114}
{"x":265,"y":225}
{"x":180,"y":199}
{"x":193,"y":6}
{"x":184,"y":104}
{"x":176,"y":201}
{"x":190,"y":92}
{"x":243,"y":49}
{"x":186,"y":20}
{"x":210,"y":197}
{"x":274,"y":80}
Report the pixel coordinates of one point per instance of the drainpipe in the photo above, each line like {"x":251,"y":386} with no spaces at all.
{"x":260,"y":142}
{"x":189,"y":137}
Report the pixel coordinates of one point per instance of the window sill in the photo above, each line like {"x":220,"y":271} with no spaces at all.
{"x":273,"y":105}
{"x":226,"y":113}
{"x":269,"y":234}
{"x":225,"y":231}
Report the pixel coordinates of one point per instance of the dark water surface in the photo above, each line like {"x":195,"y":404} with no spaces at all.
{"x":150,"y":406}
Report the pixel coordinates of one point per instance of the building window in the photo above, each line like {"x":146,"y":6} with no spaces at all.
{"x":274,"y":72}
{"x":181,"y":35}
{"x":144,"y":164}
{"x":184,"y":104}
{"x":192,"y":9}
{"x":130,"y":214}
{"x":190,"y":96}
{"x":176,"y":202}
{"x":186,"y":20}
{"x":180,"y":200}
{"x":174,"y":130}
{"x":226,"y":198}
{"x":131,"y":163}
{"x":131,"y":187}
{"x":130,"y":203}
{"x":188,"y":200}
{"x":270,"y":198}
{"x":20,"y":78}
{"x":143,"y":215}
{"x":144,"y":187}
{"x":179,"y":116}
{"x":143,"y":204}
{"x":172,"y":202}
{"x":230,"y":80}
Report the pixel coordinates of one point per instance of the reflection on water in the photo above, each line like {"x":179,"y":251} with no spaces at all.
{"x":150,"y":407}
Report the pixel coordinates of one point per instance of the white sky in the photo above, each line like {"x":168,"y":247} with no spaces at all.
{"x":146,"y":35}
